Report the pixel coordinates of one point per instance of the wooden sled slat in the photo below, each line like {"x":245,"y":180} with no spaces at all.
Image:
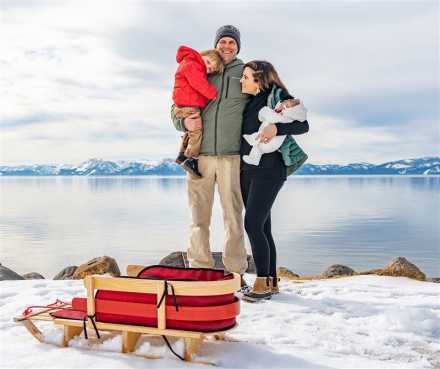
{"x":70,"y":332}
{"x":140,"y":329}
{"x":150,"y":286}
{"x":32,"y":329}
{"x":129,"y":340}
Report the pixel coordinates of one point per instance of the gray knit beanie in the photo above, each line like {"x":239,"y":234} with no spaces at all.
{"x":228,"y":31}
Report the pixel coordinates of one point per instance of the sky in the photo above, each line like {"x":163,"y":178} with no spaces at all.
{"x":93,"y":79}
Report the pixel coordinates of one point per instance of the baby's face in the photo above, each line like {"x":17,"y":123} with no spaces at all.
{"x":210,"y":65}
{"x":286,"y":104}
{"x":290,"y":103}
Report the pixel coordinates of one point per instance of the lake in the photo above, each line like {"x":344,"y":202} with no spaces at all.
{"x":48,"y":223}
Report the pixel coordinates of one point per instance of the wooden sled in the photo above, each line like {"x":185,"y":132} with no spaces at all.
{"x":131,"y":333}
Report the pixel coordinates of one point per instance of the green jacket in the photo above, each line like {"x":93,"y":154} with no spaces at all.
{"x":293,"y":155}
{"x":222,"y":118}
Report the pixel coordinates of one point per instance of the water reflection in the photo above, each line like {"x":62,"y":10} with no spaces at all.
{"x":359,"y":221}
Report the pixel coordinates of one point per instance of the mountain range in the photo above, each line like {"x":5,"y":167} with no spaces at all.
{"x":167,"y":167}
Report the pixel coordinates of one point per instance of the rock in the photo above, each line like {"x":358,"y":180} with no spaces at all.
{"x":179,"y":259}
{"x":99,"y":265}
{"x":433,"y":280}
{"x":7,"y":274}
{"x":400,"y":267}
{"x":372,"y":271}
{"x":33,"y":275}
{"x":66,"y":273}
{"x":283,"y":272}
{"x":337,"y":270}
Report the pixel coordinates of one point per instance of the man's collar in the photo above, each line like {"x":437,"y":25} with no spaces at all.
{"x":233,"y":62}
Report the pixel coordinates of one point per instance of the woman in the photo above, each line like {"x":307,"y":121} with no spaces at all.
{"x":260,"y":184}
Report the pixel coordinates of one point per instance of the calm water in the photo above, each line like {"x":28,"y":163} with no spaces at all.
{"x":47,"y":223}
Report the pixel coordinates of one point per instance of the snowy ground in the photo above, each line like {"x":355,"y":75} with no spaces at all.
{"x":359,"y":322}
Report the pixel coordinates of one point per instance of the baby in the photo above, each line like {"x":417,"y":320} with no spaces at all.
{"x":191,"y":93}
{"x":285,"y":112}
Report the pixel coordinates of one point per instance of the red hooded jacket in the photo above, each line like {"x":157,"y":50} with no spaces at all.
{"x":191,"y":86}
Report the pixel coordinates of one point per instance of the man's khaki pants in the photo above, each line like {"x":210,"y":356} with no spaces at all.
{"x":225,"y":172}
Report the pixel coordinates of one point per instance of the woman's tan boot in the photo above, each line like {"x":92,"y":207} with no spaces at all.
{"x":273,"y":283}
{"x":259,"y":291}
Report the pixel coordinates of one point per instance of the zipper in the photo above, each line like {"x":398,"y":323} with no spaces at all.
{"x":176,"y":267}
{"x":227,"y":87}
{"x":216,"y":113}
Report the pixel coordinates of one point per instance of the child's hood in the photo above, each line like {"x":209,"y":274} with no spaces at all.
{"x":185,"y":52}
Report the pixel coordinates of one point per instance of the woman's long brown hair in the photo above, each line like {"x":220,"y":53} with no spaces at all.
{"x":265,"y":74}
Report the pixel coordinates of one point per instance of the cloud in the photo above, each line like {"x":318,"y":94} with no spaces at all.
{"x":100,"y":79}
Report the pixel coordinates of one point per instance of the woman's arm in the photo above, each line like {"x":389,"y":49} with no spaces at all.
{"x":294,"y":128}
{"x":281,"y":129}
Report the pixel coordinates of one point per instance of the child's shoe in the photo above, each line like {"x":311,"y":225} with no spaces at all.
{"x":191,"y":165}
{"x":181,"y":158}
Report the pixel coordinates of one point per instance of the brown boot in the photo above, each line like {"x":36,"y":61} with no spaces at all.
{"x":273,"y":283}
{"x":259,"y":291}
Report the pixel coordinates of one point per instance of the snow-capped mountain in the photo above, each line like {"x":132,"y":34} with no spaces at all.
{"x":167,"y":167}
{"x":427,"y":165}
{"x":96,"y":167}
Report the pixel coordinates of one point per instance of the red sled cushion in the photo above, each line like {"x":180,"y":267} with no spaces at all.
{"x":196,"y":313}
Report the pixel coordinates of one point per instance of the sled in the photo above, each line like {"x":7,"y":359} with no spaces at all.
{"x":93,"y":313}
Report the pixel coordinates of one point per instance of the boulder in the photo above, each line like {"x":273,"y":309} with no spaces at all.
{"x":66,"y":273}
{"x":176,"y":259}
{"x":99,"y":265}
{"x":283,"y":272}
{"x":400,"y":267}
{"x":179,"y":259}
{"x":7,"y":274}
{"x":33,"y":275}
{"x":338,"y":270}
{"x":433,"y":280}
{"x":372,"y":271}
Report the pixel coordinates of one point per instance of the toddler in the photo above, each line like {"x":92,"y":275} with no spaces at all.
{"x":192,"y":92}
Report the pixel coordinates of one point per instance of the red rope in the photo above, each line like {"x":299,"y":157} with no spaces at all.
{"x":55,"y":304}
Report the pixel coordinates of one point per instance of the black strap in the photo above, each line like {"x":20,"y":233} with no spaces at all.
{"x":165,"y":293}
{"x":171,"y":349}
{"x":85,"y":328}
{"x":174,"y":298}
{"x":92,"y":318}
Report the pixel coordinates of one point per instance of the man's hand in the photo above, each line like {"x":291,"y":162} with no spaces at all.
{"x":193,"y":122}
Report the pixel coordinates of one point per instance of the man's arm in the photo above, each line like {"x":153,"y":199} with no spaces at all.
{"x":178,"y":123}
{"x":190,"y":123}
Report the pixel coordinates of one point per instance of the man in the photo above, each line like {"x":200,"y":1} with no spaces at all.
{"x":219,"y":161}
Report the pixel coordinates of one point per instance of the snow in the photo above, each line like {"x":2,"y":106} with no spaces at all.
{"x":397,"y":166}
{"x":357,"y":322}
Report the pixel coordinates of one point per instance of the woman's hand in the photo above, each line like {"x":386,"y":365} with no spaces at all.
{"x":267,"y":133}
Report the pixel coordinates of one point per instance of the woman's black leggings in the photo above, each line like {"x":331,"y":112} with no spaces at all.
{"x":258,"y":196}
